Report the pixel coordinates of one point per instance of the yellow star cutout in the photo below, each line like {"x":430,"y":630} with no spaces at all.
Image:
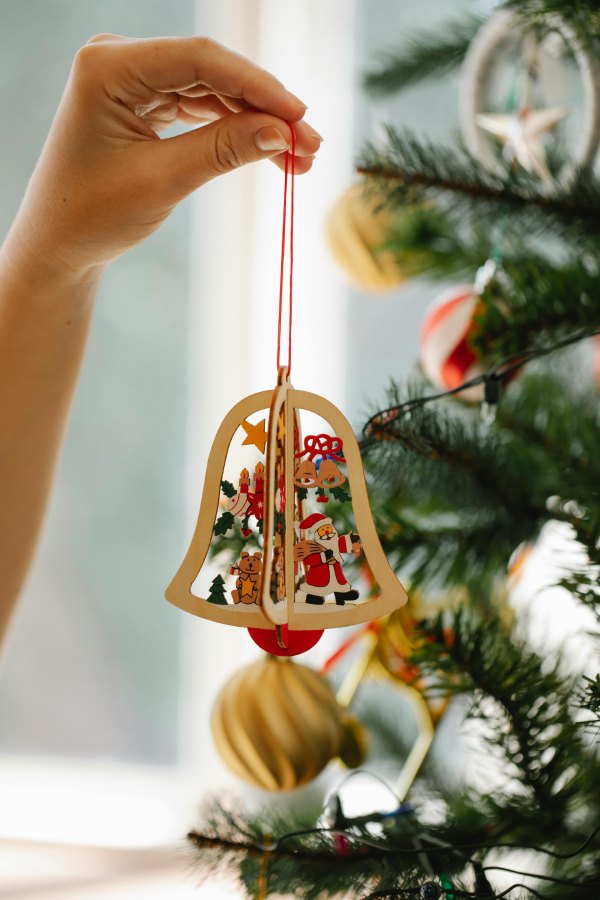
{"x":256,"y":434}
{"x":247,"y":587}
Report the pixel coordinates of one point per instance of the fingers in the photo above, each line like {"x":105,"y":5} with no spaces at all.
{"x":302,"y":164}
{"x":189,"y":160}
{"x":210,"y":108}
{"x":105,"y":38}
{"x":139,"y":68}
{"x":202,"y":109}
{"x":193,"y":79}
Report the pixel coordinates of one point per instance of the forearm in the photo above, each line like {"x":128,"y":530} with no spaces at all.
{"x":44,"y":320}
{"x":103,"y":183}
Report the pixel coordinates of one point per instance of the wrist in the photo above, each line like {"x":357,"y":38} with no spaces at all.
{"x":30,"y":266}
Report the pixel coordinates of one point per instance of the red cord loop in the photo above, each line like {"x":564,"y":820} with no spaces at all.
{"x":289,"y":170}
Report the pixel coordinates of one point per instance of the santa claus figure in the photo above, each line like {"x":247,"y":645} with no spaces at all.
{"x":322,"y":560}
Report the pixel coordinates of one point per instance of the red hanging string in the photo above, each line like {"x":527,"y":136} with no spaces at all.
{"x":289,"y":170}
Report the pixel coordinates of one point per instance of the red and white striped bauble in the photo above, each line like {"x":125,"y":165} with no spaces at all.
{"x":446,"y":357}
{"x":239,"y":504}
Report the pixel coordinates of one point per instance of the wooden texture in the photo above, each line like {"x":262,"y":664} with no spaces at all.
{"x":274,"y":611}
{"x":392,"y":594}
{"x":179,"y":591}
{"x":287,"y":402}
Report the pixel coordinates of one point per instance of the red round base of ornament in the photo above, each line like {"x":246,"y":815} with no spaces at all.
{"x":296,"y":642}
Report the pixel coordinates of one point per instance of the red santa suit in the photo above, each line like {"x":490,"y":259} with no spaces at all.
{"x":323,"y":569}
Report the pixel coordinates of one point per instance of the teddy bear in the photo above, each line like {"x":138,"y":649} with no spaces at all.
{"x":247,"y":585}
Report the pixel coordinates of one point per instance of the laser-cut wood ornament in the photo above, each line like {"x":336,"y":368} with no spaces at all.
{"x":291,"y":581}
{"x":296,"y":578}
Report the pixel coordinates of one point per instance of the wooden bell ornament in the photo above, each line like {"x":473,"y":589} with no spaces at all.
{"x":290,"y":582}
{"x":292,"y":577}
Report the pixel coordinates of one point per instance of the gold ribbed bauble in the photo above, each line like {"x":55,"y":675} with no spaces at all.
{"x":356,"y":230}
{"x":277,"y":724}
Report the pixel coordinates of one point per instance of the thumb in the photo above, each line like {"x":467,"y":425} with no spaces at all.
{"x":193,"y":158}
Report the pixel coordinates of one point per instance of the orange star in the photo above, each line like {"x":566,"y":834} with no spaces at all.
{"x":255,"y":434}
{"x":247,"y":587}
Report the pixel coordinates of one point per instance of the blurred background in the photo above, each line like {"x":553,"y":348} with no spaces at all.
{"x":106,"y":689}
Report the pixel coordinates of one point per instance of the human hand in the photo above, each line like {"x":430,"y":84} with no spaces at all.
{"x":105,"y":181}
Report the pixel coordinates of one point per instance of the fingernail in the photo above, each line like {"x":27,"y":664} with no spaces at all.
{"x":297,"y":100}
{"x":315,"y":134}
{"x":269,"y":138}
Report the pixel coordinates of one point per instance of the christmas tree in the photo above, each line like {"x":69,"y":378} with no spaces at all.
{"x":217,"y":591}
{"x":461,"y":498}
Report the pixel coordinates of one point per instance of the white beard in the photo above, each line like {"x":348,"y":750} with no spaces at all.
{"x":333,"y":540}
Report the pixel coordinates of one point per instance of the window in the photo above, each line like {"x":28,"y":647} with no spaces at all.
{"x":106,"y":688}
{"x":104,"y":683}
{"x":91,"y":672}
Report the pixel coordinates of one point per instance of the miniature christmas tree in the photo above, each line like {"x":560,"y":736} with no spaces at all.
{"x":217,"y":591}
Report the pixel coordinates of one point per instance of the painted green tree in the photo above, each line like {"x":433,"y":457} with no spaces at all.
{"x":217,"y":591}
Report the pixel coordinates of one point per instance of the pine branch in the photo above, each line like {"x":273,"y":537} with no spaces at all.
{"x":424,"y":54}
{"x":536,"y":304}
{"x":426,"y":239}
{"x":243,"y":845}
{"x":536,"y":299}
{"x":590,"y":700}
{"x":441,"y":460}
{"x":582,"y":15}
{"x":561,"y":441}
{"x":530,"y":712}
{"x":305,"y":861}
{"x":301,"y":864}
{"x":447,"y":550}
{"x":454,"y":498}
{"x":557,"y":441}
{"x":409,"y":171}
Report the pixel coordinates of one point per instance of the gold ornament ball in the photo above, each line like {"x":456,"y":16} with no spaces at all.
{"x":356,"y":230}
{"x":277,"y":724}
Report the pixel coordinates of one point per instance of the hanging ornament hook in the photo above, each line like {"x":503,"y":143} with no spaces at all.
{"x":289,"y":173}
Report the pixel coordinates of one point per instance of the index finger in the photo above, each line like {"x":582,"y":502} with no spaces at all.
{"x":173,"y":64}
